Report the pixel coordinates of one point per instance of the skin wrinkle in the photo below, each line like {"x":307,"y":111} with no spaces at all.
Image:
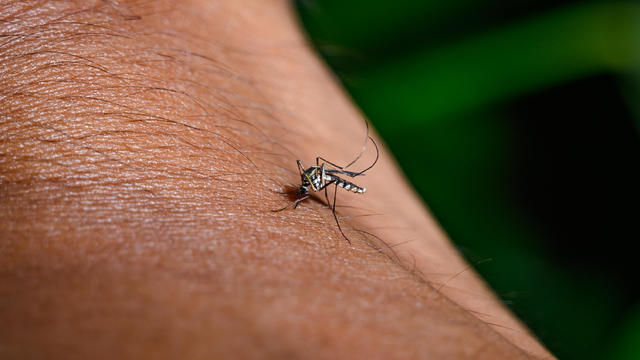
{"x":121,"y":194}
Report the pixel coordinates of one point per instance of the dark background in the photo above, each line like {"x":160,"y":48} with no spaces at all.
{"x":518,"y":123}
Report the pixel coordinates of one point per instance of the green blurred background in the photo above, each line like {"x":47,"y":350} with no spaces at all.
{"x":518,"y":122}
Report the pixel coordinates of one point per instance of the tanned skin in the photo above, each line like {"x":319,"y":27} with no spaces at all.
{"x":143,"y":145}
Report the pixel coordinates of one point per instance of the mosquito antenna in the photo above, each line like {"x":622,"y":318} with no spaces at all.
{"x":364,"y":147}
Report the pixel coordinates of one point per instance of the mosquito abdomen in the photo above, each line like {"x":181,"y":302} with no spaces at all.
{"x":347,"y":185}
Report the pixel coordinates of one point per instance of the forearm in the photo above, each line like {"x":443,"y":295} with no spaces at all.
{"x":142,"y":148}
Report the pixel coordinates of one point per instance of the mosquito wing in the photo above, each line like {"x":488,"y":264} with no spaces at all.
{"x":343,"y":172}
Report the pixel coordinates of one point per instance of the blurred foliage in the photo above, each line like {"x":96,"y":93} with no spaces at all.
{"x":628,"y":337}
{"x":518,"y":124}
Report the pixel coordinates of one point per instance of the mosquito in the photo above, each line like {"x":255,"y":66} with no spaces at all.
{"x":325,"y":173}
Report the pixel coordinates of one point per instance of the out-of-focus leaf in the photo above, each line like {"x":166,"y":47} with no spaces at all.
{"x":492,"y":67}
{"x":360,"y":24}
{"x":627,"y":338}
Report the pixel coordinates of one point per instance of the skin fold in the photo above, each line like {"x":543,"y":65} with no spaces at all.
{"x":143,"y":146}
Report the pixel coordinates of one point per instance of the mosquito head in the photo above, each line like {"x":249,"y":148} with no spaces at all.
{"x":303,"y":190}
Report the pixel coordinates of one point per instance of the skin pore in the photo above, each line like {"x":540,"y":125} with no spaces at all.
{"x":142,"y":148}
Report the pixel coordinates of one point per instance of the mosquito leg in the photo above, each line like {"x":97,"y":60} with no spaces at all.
{"x":328,"y":162}
{"x":300,"y":167}
{"x":333,"y":210}
{"x":326,"y":196}
{"x":327,"y":184}
{"x":374,"y":161}
{"x":297,"y":202}
{"x":294,"y":203}
{"x":322,"y":180}
{"x":349,"y":173}
{"x":325,"y":188}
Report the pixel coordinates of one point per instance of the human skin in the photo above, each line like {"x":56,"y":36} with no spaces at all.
{"x":143,"y":147}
